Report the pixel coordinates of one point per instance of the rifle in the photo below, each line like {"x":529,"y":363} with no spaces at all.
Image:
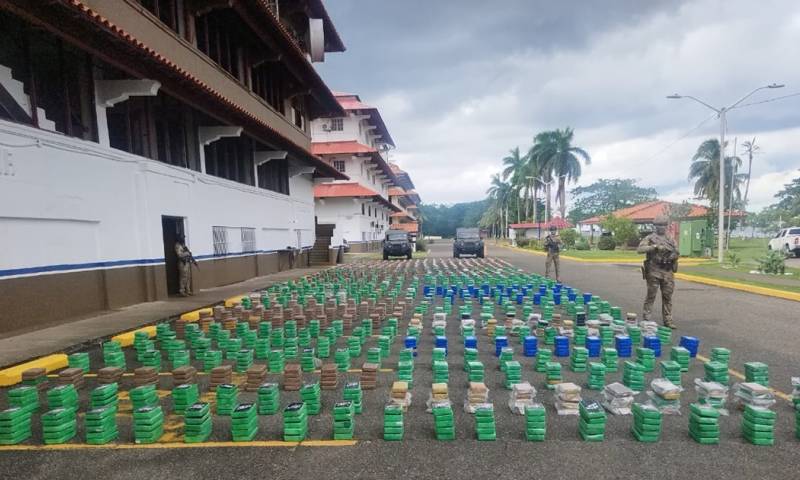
{"x":191,"y":257}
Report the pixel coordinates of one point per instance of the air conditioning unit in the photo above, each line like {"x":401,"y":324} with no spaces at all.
{"x":326,"y":127}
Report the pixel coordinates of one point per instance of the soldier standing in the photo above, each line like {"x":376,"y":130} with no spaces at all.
{"x":185,"y":260}
{"x":659,"y":269}
{"x":552,"y":243}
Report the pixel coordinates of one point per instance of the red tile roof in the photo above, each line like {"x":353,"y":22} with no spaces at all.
{"x":396,"y":192}
{"x":350,"y":189}
{"x":351,"y":102}
{"x":558,"y":222}
{"x":340,"y":148}
{"x":646,"y":212}
{"x":412,"y":227}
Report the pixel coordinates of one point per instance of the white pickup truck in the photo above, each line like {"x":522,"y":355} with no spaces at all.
{"x":787,"y":241}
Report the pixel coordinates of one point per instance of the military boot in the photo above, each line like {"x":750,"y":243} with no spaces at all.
{"x":670,"y":324}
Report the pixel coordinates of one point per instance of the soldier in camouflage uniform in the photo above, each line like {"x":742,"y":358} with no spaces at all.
{"x":552,"y":243}
{"x":659,"y":269}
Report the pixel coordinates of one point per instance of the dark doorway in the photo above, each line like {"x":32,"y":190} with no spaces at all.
{"x":171,"y":228}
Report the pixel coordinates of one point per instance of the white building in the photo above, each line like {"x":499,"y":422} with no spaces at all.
{"x":124,"y":124}
{"x":356,"y":211}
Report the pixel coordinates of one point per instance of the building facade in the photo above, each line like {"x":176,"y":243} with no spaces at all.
{"x":406,"y":198}
{"x":357,"y":211}
{"x":126,"y":123}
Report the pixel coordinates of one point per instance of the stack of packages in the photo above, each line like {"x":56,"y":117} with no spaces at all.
{"x":522,"y":395}
{"x":268,"y":399}
{"x":342,"y":359}
{"x":104,"y":396}
{"x":754,"y":394}
{"x":535,"y":422}
{"x":717,"y":372}
{"x":145,"y":376}
{"x":624,"y":346}
{"x":185,"y":374}
{"x":262,"y":348}
{"x":405,"y":371}
{"x":36,"y":377}
{"x":144,"y":396}
{"x":101,"y":425}
{"x":704,"y":424}
{"x":197,"y":423}
{"x":244,"y":422}
{"x":295,"y":422}
{"x":513,"y":374}
{"x":553,"y":370}
{"x":183,"y":397}
{"x":671,"y":370}
{"x":244,"y":360}
{"x":712,"y":393}
{"x":597,"y":376}
{"x":374,"y":356}
{"x":440,"y":371}
{"x":71,"y":376}
{"x":665,"y":396}
{"x":592,"y":423}
{"x":277,"y":361}
{"x":211,"y":360}
{"x":542,"y":358}
{"x":476,"y":395}
{"x":63,"y":396}
{"x":152,"y":359}
{"x":646,"y":357}
{"x":682,"y":356}
{"x":26,"y":398}
{"x":561,"y":348}
{"x":758,"y":425}
{"x":617,"y":399}
{"x":369,"y":376}
{"x":354,"y":346}
{"x":15,"y":426}
{"x":400,"y":395}
{"x":59,"y":425}
{"x":392,"y":422}
{"x":107,"y":375}
{"x":796,"y":392}
{"x":756,"y":372}
{"x":646,"y":423}
{"x":290,"y":348}
{"x":113,"y":355}
{"x":579,"y":335}
{"x":220,"y":376}
{"x":633,"y":376}
{"x":529,"y":346}
{"x":323,"y":347}
{"x":470,"y":355}
{"x":292,"y":377}
{"x":256,"y":375}
{"x":227,"y":398}
{"x":720,"y":354}
{"x":329,"y":377}
{"x":312,"y":397}
{"x":439,"y":394}
{"x":79,"y":360}
{"x":594,"y":345}
{"x":484,"y":422}
{"x":475,"y":371}
{"x":506,"y":355}
{"x":148,"y":424}
{"x":343,"y":424}
{"x":610,"y":358}
{"x":180,"y":358}
{"x":443,"y":421}
{"x":568,"y":397}
{"x":665,"y":335}
{"x":353,"y":393}
{"x":578,"y":359}
{"x":649,"y":329}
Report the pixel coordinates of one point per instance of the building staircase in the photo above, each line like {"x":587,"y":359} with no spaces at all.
{"x":320,"y":252}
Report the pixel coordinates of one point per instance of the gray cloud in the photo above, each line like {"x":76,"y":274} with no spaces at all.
{"x":459,"y":83}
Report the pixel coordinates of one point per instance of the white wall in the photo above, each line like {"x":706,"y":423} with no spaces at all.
{"x":69,"y":201}
{"x":351,"y":225}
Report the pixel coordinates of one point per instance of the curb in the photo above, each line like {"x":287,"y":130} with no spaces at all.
{"x":637,"y":261}
{"x":769,"y":292}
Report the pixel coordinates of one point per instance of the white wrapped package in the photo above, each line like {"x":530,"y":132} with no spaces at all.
{"x":754,"y":394}
{"x":617,"y":398}
{"x":522,"y":394}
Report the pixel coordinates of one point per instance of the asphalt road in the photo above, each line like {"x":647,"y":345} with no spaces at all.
{"x":753,"y":327}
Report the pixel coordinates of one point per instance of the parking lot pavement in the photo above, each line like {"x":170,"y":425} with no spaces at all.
{"x":751,"y":328}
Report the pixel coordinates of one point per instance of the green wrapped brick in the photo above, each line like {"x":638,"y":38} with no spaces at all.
{"x":441,"y":372}
{"x":393,"y":428}
{"x":211,"y":360}
{"x":543,"y":357}
{"x":307,"y":363}
{"x":671,"y":370}
{"x":578,"y":359}
{"x":633,"y":374}
{"x":79,"y":360}
{"x":444,"y":425}
{"x":374,"y":356}
{"x":610,"y":358}
{"x":290,"y":348}
{"x":682,"y":356}
{"x":63,"y":396}
{"x":513,"y":374}
{"x":704,"y":424}
{"x":311,"y":395}
{"x":592,"y":421}
{"x":716,"y":371}
{"x":342,"y":359}
{"x":183,"y":397}
{"x":722,"y":355}
{"x":143,"y":396}
{"x":59,"y":425}
{"x":353,"y":393}
{"x":25,"y":398}
{"x":197,"y":423}
{"x":227,"y":398}
{"x":535,"y":422}
{"x":104,"y":396}
{"x":295,"y":422}
{"x":758,"y":425}
{"x":647,"y":420}
{"x":323,"y":347}
{"x":475,"y":371}
{"x":148,"y":424}
{"x":485,"y":427}
{"x":553,"y":373}
{"x":244,"y":422}
{"x":757,"y":372}
{"x":597,"y":376}
{"x":244,"y":360}
{"x":15,"y":426}
{"x":277,"y":361}
{"x":100,"y":425}
{"x":343,"y":421}
{"x":646,"y":357}
{"x":268,"y":399}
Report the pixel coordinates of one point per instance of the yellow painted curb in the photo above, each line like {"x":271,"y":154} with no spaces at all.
{"x":126,"y":339}
{"x":194,"y":315}
{"x":13,"y":375}
{"x":230,"y":302}
{"x":770,"y":292}
{"x":166,"y":445}
{"x":686,"y":262}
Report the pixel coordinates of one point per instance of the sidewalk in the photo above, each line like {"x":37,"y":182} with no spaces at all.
{"x":62,"y":338}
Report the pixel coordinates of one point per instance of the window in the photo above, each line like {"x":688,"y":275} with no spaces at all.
{"x":56,"y":76}
{"x":369,"y":211}
{"x":363,"y":209}
{"x":248,"y":240}
{"x":231,"y":158}
{"x":274,"y":175}
{"x":267,"y":81}
{"x":220,"y":235}
{"x":337,"y":125}
{"x":168,"y":11}
{"x":218,"y":37}
{"x":339,"y":165}
{"x":299,"y":107}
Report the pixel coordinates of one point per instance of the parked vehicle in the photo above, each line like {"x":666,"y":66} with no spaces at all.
{"x":397,"y":244}
{"x":468,"y":242}
{"x":787,"y":241}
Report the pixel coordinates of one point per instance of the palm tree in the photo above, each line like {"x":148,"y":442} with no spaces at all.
{"x":500,"y":194}
{"x":515,"y":170}
{"x":560,"y":159}
{"x":750,"y":148}
{"x":704,"y":171}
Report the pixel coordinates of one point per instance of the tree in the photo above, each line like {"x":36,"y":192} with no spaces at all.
{"x":500,"y":194}
{"x":558,"y":158}
{"x":515,"y":169}
{"x":623,"y":229}
{"x":750,"y":149}
{"x":607,"y":195}
{"x":445,"y":219}
{"x":789,"y":198}
{"x":704,"y":171}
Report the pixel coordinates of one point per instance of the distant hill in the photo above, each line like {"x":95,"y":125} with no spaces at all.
{"x":443,"y":220}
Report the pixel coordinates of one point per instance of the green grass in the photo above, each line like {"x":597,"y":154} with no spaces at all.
{"x":615,"y":254}
{"x":742,"y":275}
{"x":749,"y":249}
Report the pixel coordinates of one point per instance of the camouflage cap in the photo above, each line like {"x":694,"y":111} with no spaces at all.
{"x":661,"y":220}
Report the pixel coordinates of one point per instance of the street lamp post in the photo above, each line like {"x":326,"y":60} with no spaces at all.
{"x":722,"y":113}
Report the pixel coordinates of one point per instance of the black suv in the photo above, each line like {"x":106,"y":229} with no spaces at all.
{"x":397,"y":244}
{"x":468,"y":242}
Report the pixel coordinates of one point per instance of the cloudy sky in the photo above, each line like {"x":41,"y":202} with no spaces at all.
{"x":460,"y":82}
